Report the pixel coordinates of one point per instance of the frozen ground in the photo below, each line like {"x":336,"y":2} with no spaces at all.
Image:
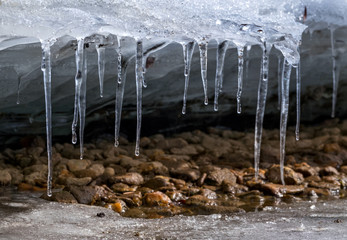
{"x":24,"y":216}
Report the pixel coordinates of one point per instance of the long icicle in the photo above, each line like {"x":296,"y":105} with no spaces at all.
{"x":279,"y":79}
{"x":78,"y":80}
{"x":119,"y":101}
{"x":261,"y":102}
{"x":298,"y":101}
{"x":101,"y":67}
{"x":286,"y":70}
{"x":18,"y":88}
{"x":221,"y":50}
{"x":46,"y":69}
{"x":188,"y":49}
{"x":119,"y":61}
{"x":139,"y":81}
{"x":336,"y":71}
{"x":239,"y":77}
{"x":203,"y":63}
{"x":142,"y":62}
{"x":82,"y":102}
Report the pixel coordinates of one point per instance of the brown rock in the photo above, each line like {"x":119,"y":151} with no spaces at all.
{"x":131,"y":178}
{"x":128,"y":162}
{"x":278,"y":190}
{"x":77,"y":164}
{"x":5,"y":177}
{"x":216,"y":146}
{"x":121,"y":187}
{"x":305,"y":169}
{"x":208,"y":193}
{"x":326,"y":185}
{"x":328,"y":171}
{"x":62,"y":197}
{"x":87,"y":194}
{"x":152,"y":167}
{"x":185,"y":173}
{"x":199,"y":200}
{"x":290,"y":176}
{"x":78,"y":181}
{"x":156,"y":199}
{"x":187,"y":150}
{"x":343,"y":169}
{"x":16,"y":175}
{"x":218,"y":177}
{"x":158,"y":182}
{"x":331,"y":148}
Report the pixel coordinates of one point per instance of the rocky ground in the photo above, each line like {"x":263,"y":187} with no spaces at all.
{"x":187,"y":174}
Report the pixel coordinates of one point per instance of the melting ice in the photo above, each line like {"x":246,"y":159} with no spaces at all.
{"x":232,"y":23}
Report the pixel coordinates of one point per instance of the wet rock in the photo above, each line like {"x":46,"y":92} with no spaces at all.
{"x":156,"y":199}
{"x":278,"y":190}
{"x":343,"y":169}
{"x":305,"y":169}
{"x":216,"y":146}
{"x":158,"y":182}
{"x":208,"y":193}
{"x":77,"y":164}
{"x":121,"y":187}
{"x":128,"y":162}
{"x":187,"y":150}
{"x":315,"y":192}
{"x":93,"y":171}
{"x":131,"y":178}
{"x":86,"y":194}
{"x":172,"y":143}
{"x":313,"y":178}
{"x":218,"y":177}
{"x":62,"y":197}
{"x":326,"y":185}
{"x":5,"y":178}
{"x":118,"y":206}
{"x":35,"y":168}
{"x":109,"y":172}
{"x":328,"y":171}
{"x":290,"y":176}
{"x":199,"y":201}
{"x":152,"y":167}
{"x":175,"y":195}
{"x":16,"y":175}
{"x":78,"y":181}
{"x":118,"y":170}
{"x":234,"y":188}
{"x":331,"y":148}
{"x":34,"y":177}
{"x":185,"y":173}
{"x":134,"y":213}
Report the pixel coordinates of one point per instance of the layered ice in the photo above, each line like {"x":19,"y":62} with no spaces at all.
{"x":155,"y":24}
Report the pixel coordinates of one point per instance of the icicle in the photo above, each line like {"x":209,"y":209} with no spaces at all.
{"x":248,"y":49}
{"x":239,"y":77}
{"x":101,"y":67}
{"x":119,"y":61}
{"x":140,"y":58}
{"x":139,"y":81}
{"x":18,"y":88}
{"x":203,"y":63}
{"x":286,"y":70}
{"x":119,"y":102}
{"x":78,"y":80}
{"x":188,"y":49}
{"x":336,"y":72}
{"x":221,"y":50}
{"x":261,"y":102}
{"x":279,"y":79}
{"x":46,"y":69}
{"x":82,"y":102}
{"x":298,"y":101}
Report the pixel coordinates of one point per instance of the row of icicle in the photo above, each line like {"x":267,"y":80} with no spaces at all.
{"x":284,"y":72}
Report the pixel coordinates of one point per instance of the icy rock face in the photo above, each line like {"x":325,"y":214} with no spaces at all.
{"x":91,"y":53}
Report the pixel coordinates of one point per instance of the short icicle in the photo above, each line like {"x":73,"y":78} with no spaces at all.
{"x":279,"y":79}
{"x":239,"y":77}
{"x":336,"y":72}
{"x":101,"y":66}
{"x":203,"y":63}
{"x":286,"y":70}
{"x":139,"y":81}
{"x":221,"y":50}
{"x":119,"y":100}
{"x":261,"y":102}
{"x":78,"y":80}
{"x":188,"y":49}
{"x":82,"y":101}
{"x":298,"y":101}
{"x":248,"y":49}
{"x":46,"y":69}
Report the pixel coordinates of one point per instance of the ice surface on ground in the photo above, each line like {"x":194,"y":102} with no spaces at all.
{"x":24,"y":216}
